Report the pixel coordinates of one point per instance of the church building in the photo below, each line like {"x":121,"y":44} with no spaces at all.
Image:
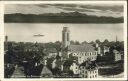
{"x":82,"y":52}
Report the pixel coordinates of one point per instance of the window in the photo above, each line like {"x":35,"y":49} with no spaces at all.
{"x":88,"y":53}
{"x":95,"y":71}
{"x":85,"y":76}
{"x":85,"y":72}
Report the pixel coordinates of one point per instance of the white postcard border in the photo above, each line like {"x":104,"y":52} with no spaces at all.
{"x":2,"y":3}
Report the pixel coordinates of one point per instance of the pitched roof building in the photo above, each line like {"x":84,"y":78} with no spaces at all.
{"x":83,"y":52}
{"x":89,"y":69}
{"x":117,"y":55}
{"x":18,"y":73}
{"x":46,"y":72}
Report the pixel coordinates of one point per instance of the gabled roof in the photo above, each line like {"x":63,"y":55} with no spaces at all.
{"x":81,"y":48}
{"x":18,"y":73}
{"x":45,"y":71}
{"x":51,"y":50}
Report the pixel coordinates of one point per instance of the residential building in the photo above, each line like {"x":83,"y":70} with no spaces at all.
{"x":18,"y":73}
{"x":89,"y":69}
{"x":105,"y":49}
{"x":83,"y":52}
{"x":117,"y":55}
{"x":75,"y":68}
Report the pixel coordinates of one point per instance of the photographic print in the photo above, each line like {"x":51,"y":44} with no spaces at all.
{"x":60,"y":40}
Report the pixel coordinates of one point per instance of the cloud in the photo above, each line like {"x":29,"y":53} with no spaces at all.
{"x":89,"y":9}
{"x":115,"y":8}
{"x":103,"y":7}
{"x":64,"y":5}
{"x":43,"y":6}
{"x":76,"y":9}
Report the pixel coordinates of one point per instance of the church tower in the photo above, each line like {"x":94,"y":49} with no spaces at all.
{"x":6,"y":44}
{"x":65,"y":37}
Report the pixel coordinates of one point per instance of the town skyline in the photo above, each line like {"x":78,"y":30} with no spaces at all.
{"x":51,"y":34}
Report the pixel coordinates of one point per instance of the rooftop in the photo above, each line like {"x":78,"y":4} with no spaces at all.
{"x":82,"y":48}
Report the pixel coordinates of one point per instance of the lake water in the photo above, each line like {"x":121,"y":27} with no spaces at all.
{"x":53,"y":31}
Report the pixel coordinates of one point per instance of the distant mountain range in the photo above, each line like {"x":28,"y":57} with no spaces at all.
{"x":71,"y":17}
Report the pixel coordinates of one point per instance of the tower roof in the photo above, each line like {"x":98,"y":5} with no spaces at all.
{"x":65,"y":29}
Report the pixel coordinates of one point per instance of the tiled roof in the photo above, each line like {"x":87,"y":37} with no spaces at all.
{"x":51,"y":50}
{"x":82,"y":48}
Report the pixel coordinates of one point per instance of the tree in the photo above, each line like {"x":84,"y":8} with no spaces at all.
{"x":92,"y":42}
{"x":72,"y":42}
{"x":70,"y":72}
{"x":106,"y":42}
{"x":84,"y":42}
{"x":58,"y":45}
{"x":56,"y":71}
{"x":77,"y":43}
{"x":98,"y":41}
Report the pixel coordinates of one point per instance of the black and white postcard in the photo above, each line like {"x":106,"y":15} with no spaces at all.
{"x":65,"y":40}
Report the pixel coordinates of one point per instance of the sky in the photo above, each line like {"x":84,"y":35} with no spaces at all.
{"x":114,"y":10}
{"x":24,"y":32}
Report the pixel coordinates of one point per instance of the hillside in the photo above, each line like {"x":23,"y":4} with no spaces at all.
{"x":72,"y":17}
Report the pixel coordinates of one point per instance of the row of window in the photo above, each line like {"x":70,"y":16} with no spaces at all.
{"x":85,"y":54}
{"x":93,"y":76}
{"x":91,"y":72}
{"x":81,"y":60}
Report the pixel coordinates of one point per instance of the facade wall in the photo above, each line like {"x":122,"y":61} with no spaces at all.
{"x":88,"y":73}
{"x":117,"y":57}
{"x":75,"y":68}
{"x":106,"y":49}
{"x":83,"y":56}
{"x":93,"y":73}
